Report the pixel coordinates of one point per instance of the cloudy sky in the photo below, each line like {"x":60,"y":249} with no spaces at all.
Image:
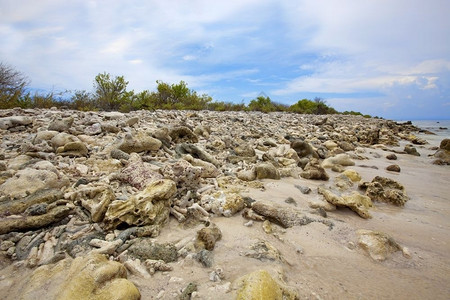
{"x":389,"y":58}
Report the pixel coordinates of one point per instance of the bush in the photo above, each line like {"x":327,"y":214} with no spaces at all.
{"x":263,"y":104}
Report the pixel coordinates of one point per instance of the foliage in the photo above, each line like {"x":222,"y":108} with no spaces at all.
{"x":111,"y":93}
{"x":12,"y":86}
{"x":263,"y":104}
{"x":317,"y":107}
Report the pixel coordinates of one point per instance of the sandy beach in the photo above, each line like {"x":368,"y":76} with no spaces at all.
{"x":326,"y":258}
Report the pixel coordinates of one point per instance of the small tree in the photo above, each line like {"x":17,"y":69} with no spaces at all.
{"x":262,"y":103}
{"x":111,"y":93}
{"x":12,"y":86}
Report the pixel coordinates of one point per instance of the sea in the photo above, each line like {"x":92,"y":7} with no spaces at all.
{"x":439,"y":127}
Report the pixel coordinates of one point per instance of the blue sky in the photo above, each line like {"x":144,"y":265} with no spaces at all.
{"x":389,"y":58}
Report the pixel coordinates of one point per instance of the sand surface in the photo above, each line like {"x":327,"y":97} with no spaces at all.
{"x":319,"y":262}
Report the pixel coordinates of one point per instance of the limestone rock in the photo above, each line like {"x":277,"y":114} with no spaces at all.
{"x":313,"y":170}
{"x":61,"y":124}
{"x":145,"y":249}
{"x":393,"y":168}
{"x":355,"y":201}
{"x":378,"y":244}
{"x":208,"y":170}
{"x":25,"y":223}
{"x":93,"y":277}
{"x":29,"y":181}
{"x":245,"y":150}
{"x":352,"y":175}
{"x":442,"y":155}
{"x":61,"y":139}
{"x":247,"y":175}
{"x":139,"y":142}
{"x":303,"y":149}
{"x":286,"y":217}
{"x":445,"y":144}
{"x":369,"y":136}
{"x":263,"y":250}
{"x":340,"y":159}
{"x":208,"y":236}
{"x":148,"y":207}
{"x":226,"y":203}
{"x":409,"y":149}
{"x":385,"y":190}
{"x":182,"y":134}
{"x":18,"y":206}
{"x":162,"y":134}
{"x":391,"y":156}
{"x":260,"y":285}
{"x":14,"y":121}
{"x":138,"y":173}
{"x":96,"y":200}
{"x":196,"y":152}
{"x":186,"y":176}
{"x":94,"y":129}
{"x":73,"y":149}
{"x":266,"y":170}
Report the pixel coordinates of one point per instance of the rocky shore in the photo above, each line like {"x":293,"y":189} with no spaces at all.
{"x":220,"y":205}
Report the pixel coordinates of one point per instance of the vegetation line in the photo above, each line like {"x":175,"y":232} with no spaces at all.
{"x":110,"y":94}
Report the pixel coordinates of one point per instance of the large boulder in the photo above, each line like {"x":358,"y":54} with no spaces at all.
{"x":92,"y":277}
{"x":148,"y":207}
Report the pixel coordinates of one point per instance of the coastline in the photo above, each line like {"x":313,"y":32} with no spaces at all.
{"x":314,"y":260}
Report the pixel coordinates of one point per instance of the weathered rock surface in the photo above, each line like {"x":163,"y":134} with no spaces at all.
{"x":260,"y":285}
{"x":286,"y":217}
{"x":385,"y":190}
{"x":138,"y":173}
{"x":266,"y":170}
{"x":378,"y":244}
{"x":23,"y":223}
{"x":355,"y":201}
{"x":92,"y":278}
{"x":29,"y":181}
{"x":139,"y":142}
{"x":146,"y":249}
{"x":313,"y":170}
{"x":148,"y":207}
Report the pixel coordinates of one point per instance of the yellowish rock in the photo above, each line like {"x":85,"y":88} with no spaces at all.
{"x":260,"y":285}
{"x":93,"y":277}
{"x":352,"y":174}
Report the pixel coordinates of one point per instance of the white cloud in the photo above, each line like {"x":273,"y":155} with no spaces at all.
{"x":397,"y":48}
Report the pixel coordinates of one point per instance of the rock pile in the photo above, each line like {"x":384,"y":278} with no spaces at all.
{"x":86,"y":184}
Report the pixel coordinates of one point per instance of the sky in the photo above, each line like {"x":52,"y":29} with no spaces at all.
{"x":387,"y":58}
